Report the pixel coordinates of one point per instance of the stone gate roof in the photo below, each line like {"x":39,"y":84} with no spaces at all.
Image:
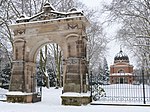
{"x":49,"y":12}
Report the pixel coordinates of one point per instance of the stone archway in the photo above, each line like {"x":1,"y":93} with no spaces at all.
{"x":65,"y":29}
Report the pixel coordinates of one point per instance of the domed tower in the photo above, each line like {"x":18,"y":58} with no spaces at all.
{"x":121,"y":71}
{"x":121,"y":57}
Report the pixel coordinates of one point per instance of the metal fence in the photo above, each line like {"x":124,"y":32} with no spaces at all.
{"x":137,"y":92}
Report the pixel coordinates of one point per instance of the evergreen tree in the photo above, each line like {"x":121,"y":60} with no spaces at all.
{"x":100,"y":74}
{"x":52,"y":77}
{"x":5,"y":76}
{"x":105,"y":72}
{"x":41,"y":80}
{"x":39,"y":77}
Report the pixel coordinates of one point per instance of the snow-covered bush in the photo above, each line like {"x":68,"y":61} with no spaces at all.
{"x":98,"y":92}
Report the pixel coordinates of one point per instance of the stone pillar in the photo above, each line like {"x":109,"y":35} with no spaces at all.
{"x":75,"y":77}
{"x":22,"y":86}
{"x":17,"y":77}
{"x":30,"y":77}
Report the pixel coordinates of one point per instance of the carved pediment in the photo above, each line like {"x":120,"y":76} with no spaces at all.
{"x":48,"y":13}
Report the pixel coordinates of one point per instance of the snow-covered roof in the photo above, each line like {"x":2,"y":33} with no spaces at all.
{"x":47,"y":5}
{"x":121,"y":74}
{"x":121,"y":56}
{"x":49,"y":21}
{"x":51,"y":13}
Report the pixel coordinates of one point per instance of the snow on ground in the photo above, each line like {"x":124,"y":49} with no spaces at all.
{"x":51,"y":102}
{"x":122,"y":93}
{"x":128,"y":90}
{"x":2,"y":91}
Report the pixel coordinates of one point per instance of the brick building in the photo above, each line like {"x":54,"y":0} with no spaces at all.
{"x":121,"y":71}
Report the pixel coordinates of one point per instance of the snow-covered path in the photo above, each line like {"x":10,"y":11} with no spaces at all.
{"x":52,"y":102}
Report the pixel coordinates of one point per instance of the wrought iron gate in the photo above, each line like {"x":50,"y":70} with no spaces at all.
{"x":137,"y":92}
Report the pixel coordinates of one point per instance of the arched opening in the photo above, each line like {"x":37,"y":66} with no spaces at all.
{"x":49,"y":66}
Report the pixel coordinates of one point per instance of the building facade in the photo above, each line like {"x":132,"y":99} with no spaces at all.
{"x":121,"y":72}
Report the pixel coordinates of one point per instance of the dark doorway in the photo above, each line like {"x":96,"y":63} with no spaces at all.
{"x":121,"y":80}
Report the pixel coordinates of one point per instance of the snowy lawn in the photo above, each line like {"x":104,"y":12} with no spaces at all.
{"x":51,"y":102}
{"x":127,"y":90}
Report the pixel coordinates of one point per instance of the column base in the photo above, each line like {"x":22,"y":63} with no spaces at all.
{"x":19,"y":97}
{"x":75,"y":99}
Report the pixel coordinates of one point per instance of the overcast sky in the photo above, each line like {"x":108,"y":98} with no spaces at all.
{"x":114,"y":47}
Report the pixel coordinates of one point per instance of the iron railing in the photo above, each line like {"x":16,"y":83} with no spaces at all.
{"x":135,"y":92}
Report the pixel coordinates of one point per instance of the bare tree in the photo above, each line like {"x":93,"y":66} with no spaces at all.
{"x":133,"y":15}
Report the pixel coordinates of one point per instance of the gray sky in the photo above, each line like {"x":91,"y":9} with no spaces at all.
{"x":114,"y":47}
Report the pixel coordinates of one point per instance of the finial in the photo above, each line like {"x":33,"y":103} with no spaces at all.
{"x":72,"y":9}
{"x":120,"y":48}
{"x":48,"y":7}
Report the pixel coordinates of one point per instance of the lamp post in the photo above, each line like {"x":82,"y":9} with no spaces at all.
{"x":147,"y":44}
{"x":143,"y":80}
{"x":0,"y":63}
{"x":0,"y":70}
{"x":1,"y":67}
{"x":41,"y":85}
{"x":0,"y":58}
{"x":91,"y":84}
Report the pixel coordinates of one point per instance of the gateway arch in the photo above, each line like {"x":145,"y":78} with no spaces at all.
{"x":68,"y":30}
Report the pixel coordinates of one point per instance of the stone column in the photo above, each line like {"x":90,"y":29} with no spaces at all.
{"x":30,"y":77}
{"x":76,"y":67}
{"x":22,"y":85}
{"x":17,"y":82}
{"x":75,"y":76}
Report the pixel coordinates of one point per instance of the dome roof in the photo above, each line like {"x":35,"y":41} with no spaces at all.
{"x":121,"y":57}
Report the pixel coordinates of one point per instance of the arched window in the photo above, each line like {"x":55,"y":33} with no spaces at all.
{"x":121,"y":71}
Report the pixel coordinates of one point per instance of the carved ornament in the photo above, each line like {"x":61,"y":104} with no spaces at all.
{"x":72,"y":26}
{"x":19,"y":32}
